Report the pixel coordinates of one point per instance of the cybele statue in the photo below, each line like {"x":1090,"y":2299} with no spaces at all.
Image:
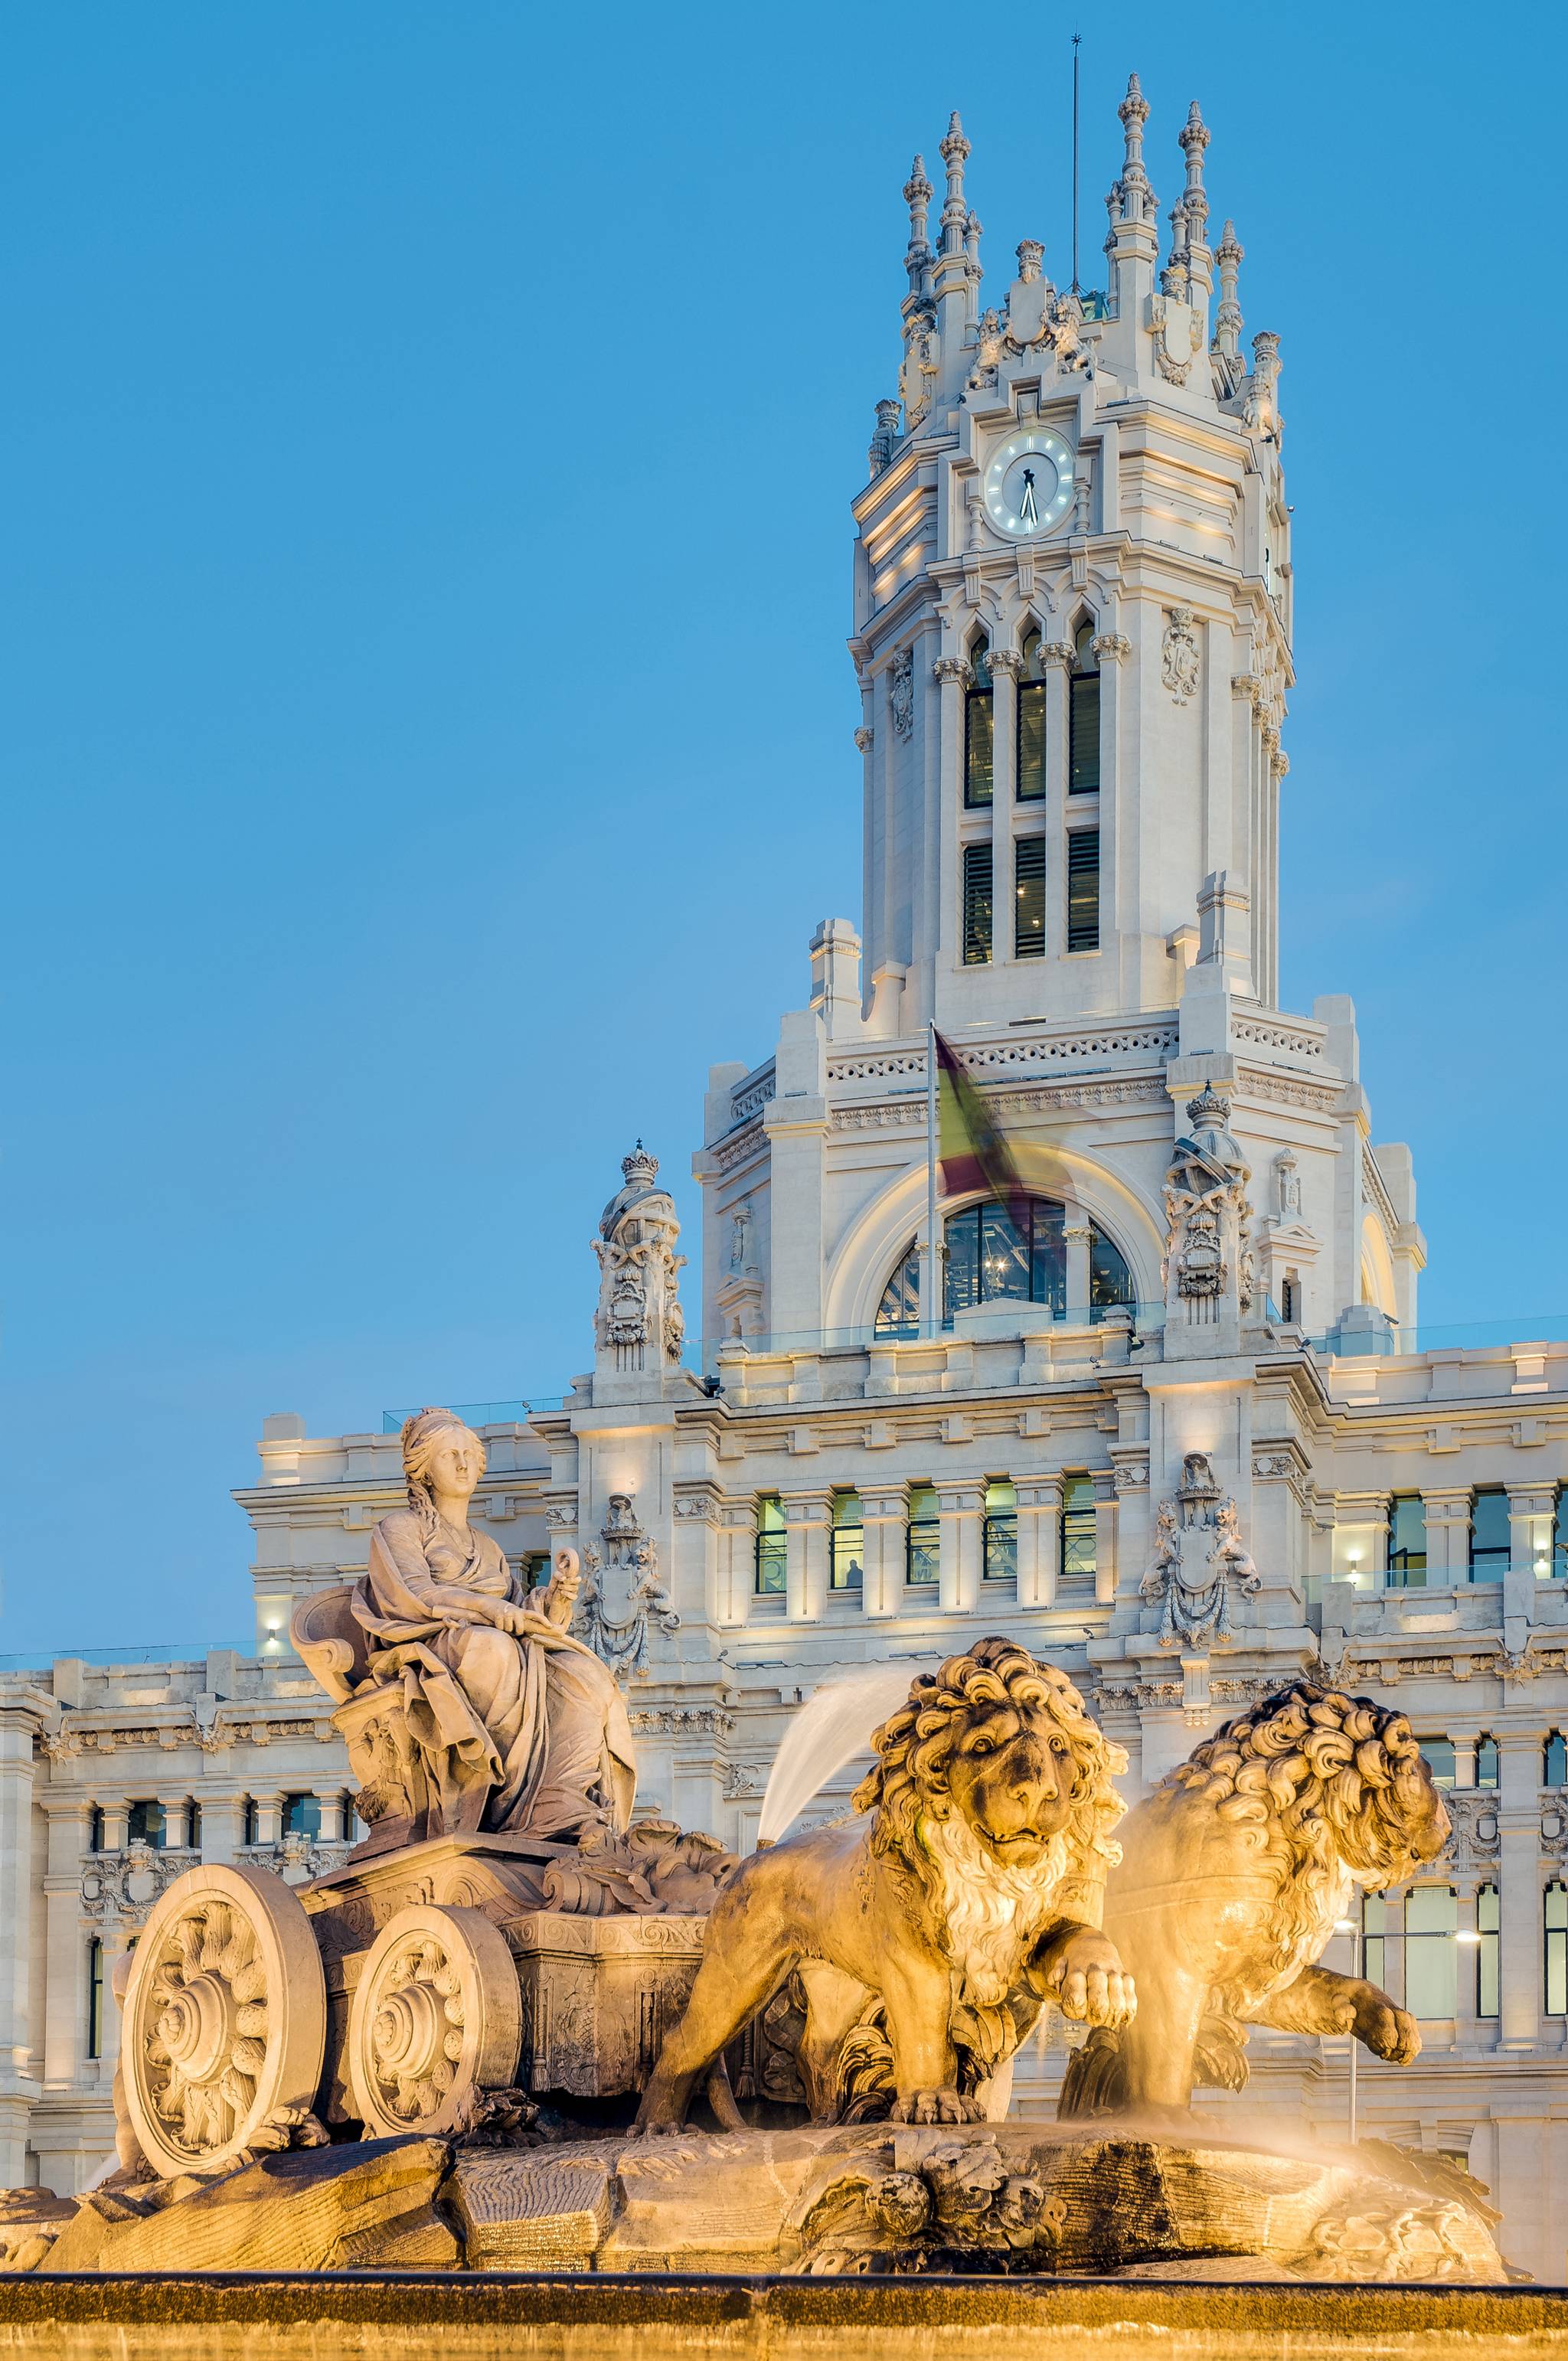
{"x":454,"y":2050}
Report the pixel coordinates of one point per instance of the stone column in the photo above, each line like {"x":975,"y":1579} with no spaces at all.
{"x":1005,"y":665}
{"x":176,"y":1822}
{"x":1465,"y":1758}
{"x":1104,"y":1535}
{"x":1078,"y":1240}
{"x":808,"y":1522}
{"x":883,"y":1517}
{"x":1056,"y":655}
{"x":269,"y":1814}
{"x":1039,"y":1539}
{"x":66,"y":1940}
{"x":1118,"y":909}
{"x":1448,"y":1539}
{"x":1518,"y":1883}
{"x":960,"y":1507}
{"x":1467,"y":2025}
{"x":223,"y":1826}
{"x":117,"y":1820}
{"x":737,"y":1562}
{"x":18,"y":1727}
{"x":953,"y":677}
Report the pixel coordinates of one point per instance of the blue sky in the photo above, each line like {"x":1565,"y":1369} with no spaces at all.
{"x":428,"y":436}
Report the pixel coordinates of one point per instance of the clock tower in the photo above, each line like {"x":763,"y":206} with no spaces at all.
{"x":1072,"y":637}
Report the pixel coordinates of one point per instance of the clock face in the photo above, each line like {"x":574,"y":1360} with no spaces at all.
{"x":1028,"y":485}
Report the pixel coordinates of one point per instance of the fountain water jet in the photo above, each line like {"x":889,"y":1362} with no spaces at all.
{"x":832,"y":1727}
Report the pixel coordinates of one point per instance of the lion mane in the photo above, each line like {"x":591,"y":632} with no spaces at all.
{"x":907,"y":1786}
{"x":1318,"y":1783}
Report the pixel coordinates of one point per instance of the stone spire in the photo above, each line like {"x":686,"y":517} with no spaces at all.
{"x":1132,"y":246}
{"x":1194,"y":137}
{"x":954,"y":212}
{"x":1134,"y":197}
{"x":918,"y":197}
{"x":1228,"y":319}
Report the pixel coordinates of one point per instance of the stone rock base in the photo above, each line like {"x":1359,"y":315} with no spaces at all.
{"x":1005,"y":2200}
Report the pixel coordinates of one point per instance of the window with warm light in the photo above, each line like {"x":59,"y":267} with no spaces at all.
{"x":994,"y":1258}
{"x":96,"y":1998}
{"x":1084,"y":889}
{"x":1431,"y":1959}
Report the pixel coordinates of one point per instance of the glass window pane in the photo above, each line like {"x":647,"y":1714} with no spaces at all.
{"x":1004,"y":1258}
{"x":1487,"y":1921}
{"x":1554,"y":1765}
{"x":848,"y":1542}
{"x":1437,"y":1754}
{"x":1489,"y":1535}
{"x":923,"y":1549}
{"x":301,"y":1816}
{"x":1407,"y":1541}
{"x":1487,"y":1763}
{"x":898,"y":1314}
{"x":145,"y":1825}
{"x":1031,"y":740}
{"x":1556,"y":1912}
{"x":1047,"y":1254}
{"x":1432,"y":1916}
{"x":772,"y":1547}
{"x":962,"y":1236}
{"x":1110,"y":1280}
{"x":1078,"y":1534}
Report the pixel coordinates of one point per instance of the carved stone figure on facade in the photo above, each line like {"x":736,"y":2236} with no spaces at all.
{"x":640,"y":1270}
{"x":992,"y":335}
{"x":929,"y":1930}
{"x":1232,"y":1876}
{"x":621,"y":1640}
{"x":1287,"y":1186}
{"x":901,"y":692}
{"x":740,"y":1237}
{"x":1199,"y":1562}
{"x":1067,"y":331}
{"x":465,"y":1702}
{"x":1178,"y":654}
{"x":1206,"y":1210}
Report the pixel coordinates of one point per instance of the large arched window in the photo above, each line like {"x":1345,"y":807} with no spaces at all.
{"x":1031,"y":763}
{"x":991,"y":1258}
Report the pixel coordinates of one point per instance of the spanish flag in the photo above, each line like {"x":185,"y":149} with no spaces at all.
{"x":970,"y":1152}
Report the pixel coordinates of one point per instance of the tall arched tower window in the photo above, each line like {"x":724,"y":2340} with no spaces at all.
{"x":1083,"y":715}
{"x":979,"y":731}
{"x":991,"y":1258}
{"x":1031,"y":770}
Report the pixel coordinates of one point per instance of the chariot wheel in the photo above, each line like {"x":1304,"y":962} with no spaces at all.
{"x":224,"y":2019}
{"x":436,"y":2018}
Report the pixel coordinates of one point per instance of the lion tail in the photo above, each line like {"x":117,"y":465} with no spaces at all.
{"x":1095,"y":2080}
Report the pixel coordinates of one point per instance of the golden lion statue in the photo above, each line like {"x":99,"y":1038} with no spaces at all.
{"x":1233,"y":1873}
{"x":935,"y":1925}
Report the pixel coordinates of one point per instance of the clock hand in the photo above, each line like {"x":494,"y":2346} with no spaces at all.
{"x":1028,"y":511}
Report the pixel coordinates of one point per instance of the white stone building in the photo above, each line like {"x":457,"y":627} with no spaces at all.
{"x":1072,"y":632}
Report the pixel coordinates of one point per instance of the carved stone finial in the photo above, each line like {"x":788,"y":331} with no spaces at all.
{"x":639,"y":1166}
{"x":954,"y":212}
{"x":918,"y":197}
{"x":1031,"y":254}
{"x":1208,"y":1107}
{"x":1228,"y":318}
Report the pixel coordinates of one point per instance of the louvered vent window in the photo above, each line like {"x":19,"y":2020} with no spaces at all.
{"x":977,"y":904}
{"x":1084,"y":889}
{"x":1083,"y":718}
{"x":1029,"y":898}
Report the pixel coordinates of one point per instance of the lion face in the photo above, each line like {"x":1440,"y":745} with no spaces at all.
{"x":1011,"y":1776}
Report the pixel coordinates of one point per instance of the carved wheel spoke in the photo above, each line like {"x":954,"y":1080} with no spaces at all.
{"x":436,"y":2019}
{"x":225,"y":2017}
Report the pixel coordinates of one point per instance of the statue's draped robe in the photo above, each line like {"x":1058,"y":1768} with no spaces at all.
{"x":535,"y":1717}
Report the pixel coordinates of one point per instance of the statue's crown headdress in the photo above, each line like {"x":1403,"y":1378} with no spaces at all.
{"x":640,"y":1168}
{"x":1208,"y":1107}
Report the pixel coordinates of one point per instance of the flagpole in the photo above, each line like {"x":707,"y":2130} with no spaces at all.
{"x":930,"y":1297}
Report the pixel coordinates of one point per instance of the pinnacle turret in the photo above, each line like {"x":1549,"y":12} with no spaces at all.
{"x":954,"y":212}
{"x":1193,"y":138}
{"x":1133,"y":193}
{"x":918,"y":197}
{"x":1228,"y":318}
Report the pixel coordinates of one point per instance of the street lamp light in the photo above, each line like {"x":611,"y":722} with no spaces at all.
{"x":1352,"y":1926}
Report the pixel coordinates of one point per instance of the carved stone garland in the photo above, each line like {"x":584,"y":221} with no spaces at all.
{"x":225,"y":2027}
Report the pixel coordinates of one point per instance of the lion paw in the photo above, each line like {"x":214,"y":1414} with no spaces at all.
{"x":934,"y":2107}
{"x":1388,"y":2032}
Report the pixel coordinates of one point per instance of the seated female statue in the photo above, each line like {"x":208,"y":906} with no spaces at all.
{"x":519,"y":1726}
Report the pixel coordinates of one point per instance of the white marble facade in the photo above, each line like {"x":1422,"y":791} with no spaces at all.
{"x":810,"y":1490}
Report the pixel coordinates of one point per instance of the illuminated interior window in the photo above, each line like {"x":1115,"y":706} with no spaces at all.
{"x":1488,"y":1921}
{"x":991,"y":1259}
{"x":1489,"y":1534}
{"x":978,"y":912}
{"x":1083,"y":715}
{"x":1078,"y":1554}
{"x":772,"y":1544}
{"x":1555,"y":1914}
{"x":923,"y":1537}
{"x":848,"y":1566}
{"x":1031,"y":783}
{"x":1029,"y":898}
{"x":979,"y":764}
{"x":1407,"y":1541}
{"x":1001,"y":1545}
{"x":1084,"y":889}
